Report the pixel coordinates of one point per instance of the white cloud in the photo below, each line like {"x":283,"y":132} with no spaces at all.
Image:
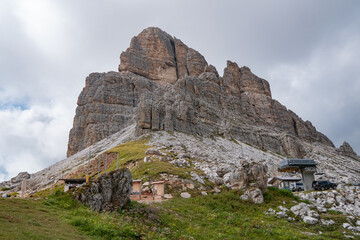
{"x":33,"y":138}
{"x":45,"y":23}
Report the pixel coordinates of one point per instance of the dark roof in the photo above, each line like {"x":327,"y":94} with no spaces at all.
{"x":73,"y":180}
{"x":294,"y":179}
{"x":297,"y":163}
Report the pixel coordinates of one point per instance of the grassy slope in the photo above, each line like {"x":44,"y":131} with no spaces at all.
{"x":131,"y":155}
{"x":134,"y":152}
{"x":221,"y":216}
{"x":31,"y":219}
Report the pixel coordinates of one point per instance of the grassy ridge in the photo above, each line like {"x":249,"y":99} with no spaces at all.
{"x":134,"y":152}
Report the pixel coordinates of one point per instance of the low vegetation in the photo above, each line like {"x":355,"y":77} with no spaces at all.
{"x":216,"y":216}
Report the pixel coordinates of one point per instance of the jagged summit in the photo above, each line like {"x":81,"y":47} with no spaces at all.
{"x":162,"y":84}
{"x":346,"y":150}
{"x":156,"y":55}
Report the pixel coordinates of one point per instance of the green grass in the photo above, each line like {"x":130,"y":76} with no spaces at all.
{"x":31,"y":219}
{"x":134,"y":152}
{"x":129,"y":152}
{"x":224,"y":216}
{"x":220,"y":216}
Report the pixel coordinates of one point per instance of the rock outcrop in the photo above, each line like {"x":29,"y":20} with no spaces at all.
{"x":156,"y":55}
{"x":164,"y":85}
{"x":15,"y":182}
{"x":348,"y":151}
{"x":110,"y":191}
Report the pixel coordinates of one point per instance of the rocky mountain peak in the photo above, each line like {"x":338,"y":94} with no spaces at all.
{"x":162,"y":84}
{"x":156,"y":55}
{"x":240,"y":80}
{"x":346,"y":150}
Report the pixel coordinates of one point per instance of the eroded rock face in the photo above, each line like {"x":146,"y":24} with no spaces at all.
{"x":110,"y":191}
{"x":156,"y":55}
{"x":348,"y":151}
{"x":165,"y":85}
{"x":15,"y":182}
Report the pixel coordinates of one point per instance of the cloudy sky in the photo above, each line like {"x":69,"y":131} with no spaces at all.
{"x":308,"y":50}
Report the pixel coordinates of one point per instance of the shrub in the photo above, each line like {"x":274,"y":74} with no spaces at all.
{"x":282,"y":193}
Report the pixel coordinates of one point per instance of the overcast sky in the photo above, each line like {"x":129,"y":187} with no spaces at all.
{"x":309,"y":51}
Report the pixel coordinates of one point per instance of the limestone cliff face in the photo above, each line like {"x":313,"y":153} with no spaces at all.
{"x":164,"y":85}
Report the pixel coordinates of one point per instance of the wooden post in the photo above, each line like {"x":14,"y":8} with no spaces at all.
{"x":117,"y":163}
{"x":23,"y":188}
{"x":99,"y":166}
{"x":87,"y":173}
{"x":105,"y":161}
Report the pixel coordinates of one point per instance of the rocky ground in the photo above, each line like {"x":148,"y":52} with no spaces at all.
{"x":218,"y":158}
{"x":50,"y":175}
{"x":345,"y":200}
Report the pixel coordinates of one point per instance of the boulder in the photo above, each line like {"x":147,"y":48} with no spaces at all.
{"x":21,"y":176}
{"x":183,"y":163}
{"x":183,"y":155}
{"x":302,"y":209}
{"x":153,"y":151}
{"x":327,"y":222}
{"x":185,"y":195}
{"x":214,"y":178}
{"x":310,"y":220}
{"x":110,"y":191}
{"x":147,"y":159}
{"x":164,"y":159}
{"x":253,"y":194}
{"x":271,"y":211}
{"x":281,"y":214}
{"x":283,"y":209}
{"x":340,"y":200}
{"x":346,"y":225}
{"x":168,"y":196}
{"x":196,"y":177}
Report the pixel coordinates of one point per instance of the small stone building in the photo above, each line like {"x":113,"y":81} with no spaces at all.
{"x":284,"y":182}
{"x":158,"y":189}
{"x":72,"y":183}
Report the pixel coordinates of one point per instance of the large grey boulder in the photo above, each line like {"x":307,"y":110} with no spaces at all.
{"x":153,"y":151}
{"x":21,"y":176}
{"x":109,"y":192}
{"x":15,"y":183}
{"x":253,"y":194}
{"x":185,"y":195}
{"x":301,"y":209}
{"x":310,"y":220}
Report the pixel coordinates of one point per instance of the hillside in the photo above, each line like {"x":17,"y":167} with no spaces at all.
{"x":220,"y":216}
